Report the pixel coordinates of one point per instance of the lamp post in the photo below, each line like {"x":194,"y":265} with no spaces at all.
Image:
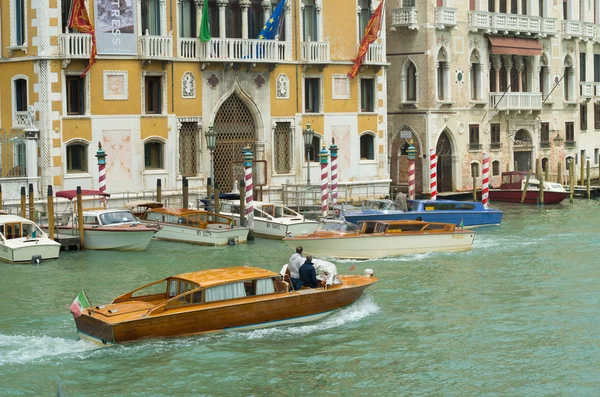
{"x":211,"y":144}
{"x":308,"y":134}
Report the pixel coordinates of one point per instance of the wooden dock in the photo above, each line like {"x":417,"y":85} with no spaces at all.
{"x":68,"y":242}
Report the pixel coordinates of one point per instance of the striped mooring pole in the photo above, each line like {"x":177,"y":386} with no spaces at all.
{"x":411,"y":152}
{"x":485,"y":180}
{"x":101,"y":156}
{"x":432,"y":174}
{"x":324,"y":160}
{"x":248,"y":157}
{"x":333,"y":149}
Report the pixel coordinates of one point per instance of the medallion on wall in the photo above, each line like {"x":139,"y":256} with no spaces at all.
{"x":213,"y":81}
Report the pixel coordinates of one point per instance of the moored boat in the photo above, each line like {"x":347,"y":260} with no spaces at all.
{"x":465,"y":213}
{"x":238,"y":298}
{"x":22,"y":240}
{"x":376,"y":239}
{"x":513,"y":184}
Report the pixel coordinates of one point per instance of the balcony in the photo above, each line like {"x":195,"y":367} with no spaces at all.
{"x":578,"y":30}
{"x":586,"y":90}
{"x":445,"y":17}
{"x":74,"y":46}
{"x":516,"y":101}
{"x":375,"y":55}
{"x":495,"y":145}
{"x":545,"y":144}
{"x":156,"y":47}
{"x":475,"y":146}
{"x":315,"y":52}
{"x":188,"y":47}
{"x":570,"y":144}
{"x":240,"y":50}
{"x":405,"y":17}
{"x":494,"y":22}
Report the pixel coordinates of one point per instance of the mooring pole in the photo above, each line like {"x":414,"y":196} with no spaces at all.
{"x":525,"y":187}
{"x":185,"y":193}
{"x":572,"y":180}
{"x":50,"y":213}
{"x":80,"y":217}
{"x":31,"y":204}
{"x":23,"y":205}
{"x":587,"y":180}
{"x":159,"y":190}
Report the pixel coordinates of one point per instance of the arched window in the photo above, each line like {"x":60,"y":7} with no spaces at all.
{"x":443,"y":75}
{"x":568,"y":162}
{"x":410,"y":85}
{"x":77,"y":157}
{"x":153,"y":155}
{"x":495,"y":168}
{"x":367,"y":147}
{"x":544,"y":164}
{"x":475,"y":170}
{"x":20,"y":90}
{"x":475,"y":77}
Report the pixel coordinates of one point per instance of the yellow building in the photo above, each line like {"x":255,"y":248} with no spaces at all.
{"x":156,"y":89}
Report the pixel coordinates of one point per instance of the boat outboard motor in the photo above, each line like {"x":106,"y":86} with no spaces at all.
{"x":36,"y":260}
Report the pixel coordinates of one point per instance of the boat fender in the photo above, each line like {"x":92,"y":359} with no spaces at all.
{"x":369,"y":272}
{"x":231,"y":241}
{"x":36,"y":260}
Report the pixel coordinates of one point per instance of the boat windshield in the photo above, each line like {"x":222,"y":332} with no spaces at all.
{"x":112,"y":218}
{"x":375,"y":205}
{"x":337,"y":226}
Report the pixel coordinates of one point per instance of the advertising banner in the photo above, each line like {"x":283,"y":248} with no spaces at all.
{"x":116,"y":30}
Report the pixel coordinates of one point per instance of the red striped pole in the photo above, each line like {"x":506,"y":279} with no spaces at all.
{"x":334,"y":172}
{"x":249,"y":188}
{"x":485,"y":180}
{"x":432,"y":174}
{"x":411,"y":152}
{"x":101,"y":156}
{"x":323,"y":156}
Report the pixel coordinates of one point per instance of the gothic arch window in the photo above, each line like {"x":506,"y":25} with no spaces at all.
{"x":409,"y":82}
{"x":569,"y":79}
{"x":544,"y":77}
{"x":475,"y":76}
{"x":443,"y":75}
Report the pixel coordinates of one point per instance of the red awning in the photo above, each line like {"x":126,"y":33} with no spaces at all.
{"x":515,"y":46}
{"x":71,"y":194}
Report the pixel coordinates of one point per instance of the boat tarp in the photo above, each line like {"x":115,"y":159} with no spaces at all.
{"x":71,"y":194}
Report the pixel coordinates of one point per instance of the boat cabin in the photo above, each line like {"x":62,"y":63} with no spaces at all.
{"x":108,"y":218}
{"x":380,"y":205}
{"x":393,"y":227}
{"x":516,"y":180}
{"x":12,"y":227}
{"x":187,"y":217}
{"x":443,"y":205}
{"x":265,"y":210}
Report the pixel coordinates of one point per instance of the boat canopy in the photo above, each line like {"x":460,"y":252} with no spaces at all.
{"x":71,"y":194}
{"x":143,"y":203}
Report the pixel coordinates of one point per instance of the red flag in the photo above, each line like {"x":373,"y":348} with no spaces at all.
{"x":371,"y":34}
{"x":80,"y":21}
{"x":351,"y":268}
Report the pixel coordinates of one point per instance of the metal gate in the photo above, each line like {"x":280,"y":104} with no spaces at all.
{"x":444,"y":164}
{"x":235,"y":129}
{"x":188,"y":149}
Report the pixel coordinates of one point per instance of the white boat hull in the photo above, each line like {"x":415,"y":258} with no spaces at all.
{"x":23,"y":249}
{"x":195,"y":235}
{"x":279,"y":229}
{"x":101,"y":239}
{"x":376,"y":246}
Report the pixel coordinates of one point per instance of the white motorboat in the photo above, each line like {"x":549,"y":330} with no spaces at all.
{"x":22,"y":240}
{"x":273,"y":220}
{"x":376,"y":239}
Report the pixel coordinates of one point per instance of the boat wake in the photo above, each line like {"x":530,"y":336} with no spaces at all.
{"x":22,"y":349}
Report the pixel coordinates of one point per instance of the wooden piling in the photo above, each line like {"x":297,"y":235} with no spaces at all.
{"x":541,"y":200}
{"x":538,"y":169}
{"x":587,"y":180}
{"x":572,"y":180}
{"x":185,"y":193}
{"x":209,"y":194}
{"x":547,"y":172}
{"x":50,"y":213}
{"x":515,"y":165}
{"x":217,"y":199}
{"x":242,"y":203}
{"x":581,"y":173}
{"x":559,"y":173}
{"x":159,"y":190}
{"x":23,"y":205}
{"x":0,"y":197}
{"x":80,"y":217}
{"x":31,"y":204}
{"x":474,"y":187}
{"x":525,"y":186}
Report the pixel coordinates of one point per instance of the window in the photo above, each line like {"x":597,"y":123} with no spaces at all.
{"x":545,"y":132}
{"x":596,"y":153}
{"x":77,"y":158}
{"x":282,"y":24}
{"x":582,"y":66}
{"x":367,"y":95}
{"x":475,"y":170}
{"x":309,"y":21}
{"x":315,"y":148}
{"x":151,"y":17}
{"x":475,"y":76}
{"x":474,"y":136}
{"x":583,"y":116}
{"x":189,"y":136}
{"x":570,"y":131}
{"x":495,"y":168}
{"x":234,"y":19}
{"x":503,"y":6}
{"x":408,"y":3}
{"x":597,"y":69}
{"x":153,"y":155}
{"x":312,"y":95}
{"x":596,"y":116}
{"x":213,"y":17}
{"x":187,"y":18}
{"x":282,"y":151}
{"x":19,"y":37}
{"x":153,"y":93}
{"x":255,"y":19}
{"x":367,"y":147}
{"x":443,"y":76}
{"x":495,"y":136}
{"x":410,"y":84}
{"x":363,"y":17}
{"x":544,"y":78}
{"x":491,"y":5}
{"x":21,"y":101}
{"x":545,"y":164}
{"x":75,"y":95}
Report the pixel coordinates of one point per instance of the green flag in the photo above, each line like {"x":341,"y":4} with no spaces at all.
{"x":204,"y":26}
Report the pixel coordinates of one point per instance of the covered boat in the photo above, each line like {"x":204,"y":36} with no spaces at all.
{"x":513,"y":184}
{"x":22,"y":240}
{"x":376,"y":239}
{"x":465,"y":213}
{"x":238,"y":298}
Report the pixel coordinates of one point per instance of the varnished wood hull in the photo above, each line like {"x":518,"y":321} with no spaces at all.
{"x":255,"y":311}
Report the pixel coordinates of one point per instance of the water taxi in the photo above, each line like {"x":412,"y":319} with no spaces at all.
{"x":513,"y":184}
{"x":22,"y":240}
{"x":376,"y":239}
{"x":239,"y":298}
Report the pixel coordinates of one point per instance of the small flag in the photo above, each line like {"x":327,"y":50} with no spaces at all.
{"x":79,"y":304}
{"x":462,"y":223}
{"x":80,"y":21}
{"x":271,"y":27}
{"x":371,"y":34}
{"x":352,"y":268}
{"x":204,"y":25}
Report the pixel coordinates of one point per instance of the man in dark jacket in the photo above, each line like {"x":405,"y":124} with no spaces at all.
{"x":308,"y":275}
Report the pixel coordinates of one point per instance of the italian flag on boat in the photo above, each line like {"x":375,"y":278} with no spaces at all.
{"x":80,"y":303}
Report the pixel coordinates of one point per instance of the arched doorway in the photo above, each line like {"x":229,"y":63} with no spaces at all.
{"x":235,"y":129}
{"x":444,"y":163}
{"x":399,"y":163}
{"x":522,"y":146}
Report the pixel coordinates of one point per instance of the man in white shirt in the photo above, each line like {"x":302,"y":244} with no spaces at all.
{"x":296,"y":260}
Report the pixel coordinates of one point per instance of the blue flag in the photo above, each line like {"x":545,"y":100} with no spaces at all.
{"x":269,"y":31}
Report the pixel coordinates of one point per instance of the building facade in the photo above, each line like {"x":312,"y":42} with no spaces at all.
{"x":156,"y":89}
{"x":518,"y":79}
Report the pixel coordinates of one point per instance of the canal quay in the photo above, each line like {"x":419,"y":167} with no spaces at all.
{"x":519,"y":315}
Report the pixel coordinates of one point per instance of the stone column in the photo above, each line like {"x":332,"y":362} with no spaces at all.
{"x":222,"y":4}
{"x":497,"y":65}
{"x":266,"y":7}
{"x":479,"y":77}
{"x":199,"y":4}
{"x":163,"y":17}
{"x":32,"y":134}
{"x":244,"y":4}
{"x":519,"y":65}
{"x":319,"y":8}
{"x":508,"y":64}
{"x":446,"y":73}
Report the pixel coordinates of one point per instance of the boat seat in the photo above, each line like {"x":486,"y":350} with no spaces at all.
{"x":282,"y":286}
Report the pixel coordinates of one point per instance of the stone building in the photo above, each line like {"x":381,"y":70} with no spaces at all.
{"x":518,"y":79}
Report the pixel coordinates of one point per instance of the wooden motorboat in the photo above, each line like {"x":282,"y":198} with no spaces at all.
{"x":107,"y":229}
{"x":376,"y":239}
{"x":273,"y":220}
{"x":513,"y":184}
{"x":190,"y":225}
{"x":22,"y":240}
{"x":467,"y":213}
{"x":238,"y":298}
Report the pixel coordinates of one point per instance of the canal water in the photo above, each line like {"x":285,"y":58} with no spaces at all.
{"x":519,"y":315}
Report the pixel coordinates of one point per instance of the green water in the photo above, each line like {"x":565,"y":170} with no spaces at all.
{"x":517,"y":316}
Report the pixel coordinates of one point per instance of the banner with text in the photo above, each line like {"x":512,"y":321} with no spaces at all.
{"x":116,"y":31}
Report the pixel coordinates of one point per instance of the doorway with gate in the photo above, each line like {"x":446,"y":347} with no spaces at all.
{"x":444,"y":163}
